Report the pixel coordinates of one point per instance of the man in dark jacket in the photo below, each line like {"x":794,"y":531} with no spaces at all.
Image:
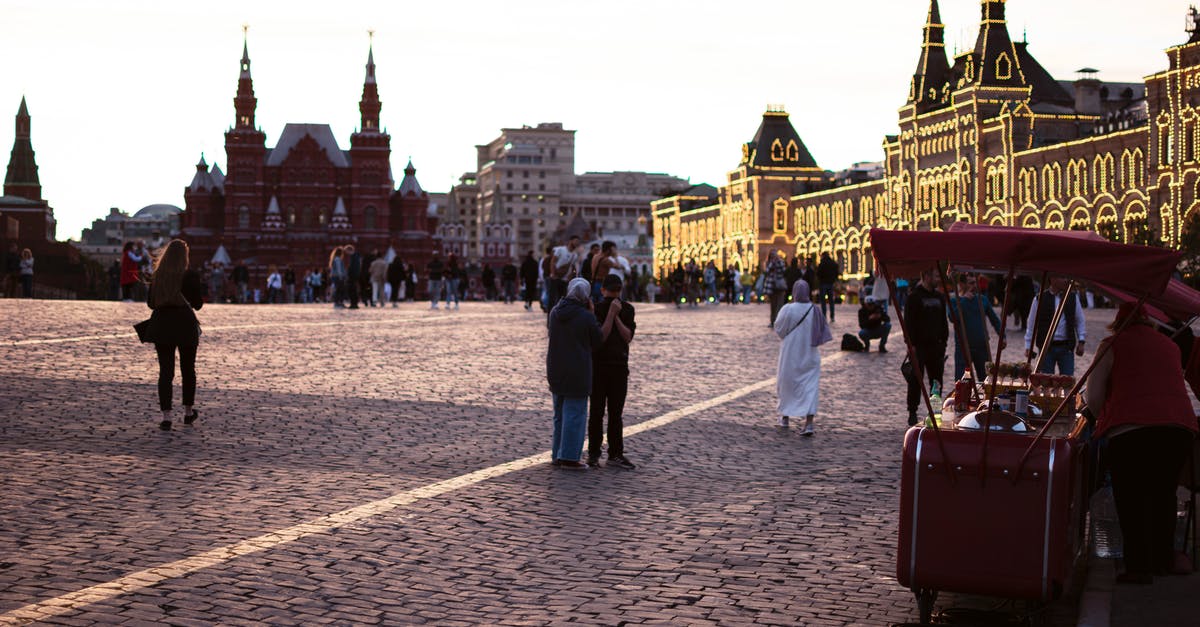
{"x":241,"y":278}
{"x":610,"y":375}
{"x":436,"y":270}
{"x":574,"y":334}
{"x":827,"y":275}
{"x":395,"y":277}
{"x":529,"y":276}
{"x":508,"y":282}
{"x":928,"y":330}
{"x":488,"y":276}
{"x":354,"y":266}
{"x":873,"y":324}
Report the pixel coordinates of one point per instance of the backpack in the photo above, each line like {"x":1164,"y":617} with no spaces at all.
{"x":850,"y":342}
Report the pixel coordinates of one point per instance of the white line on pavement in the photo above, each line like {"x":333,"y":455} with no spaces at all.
{"x":73,"y":601}
{"x":274,"y":325}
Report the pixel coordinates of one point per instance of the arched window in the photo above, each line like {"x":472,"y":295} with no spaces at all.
{"x":780,"y":214}
{"x":369,"y":217}
{"x":1003,"y":66}
{"x":793,"y":152}
{"x":243,"y":217}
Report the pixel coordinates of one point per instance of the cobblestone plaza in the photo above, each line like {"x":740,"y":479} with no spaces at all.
{"x":390,"y":466}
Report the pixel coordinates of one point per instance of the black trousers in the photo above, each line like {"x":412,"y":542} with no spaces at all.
{"x":609,"y":386}
{"x":1145,"y":464}
{"x":778,"y":300}
{"x":166,"y":373}
{"x":931,"y":362}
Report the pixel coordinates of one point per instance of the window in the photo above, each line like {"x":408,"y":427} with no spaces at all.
{"x":369,"y":217}
{"x":1003,"y":66}
{"x":244,"y":217}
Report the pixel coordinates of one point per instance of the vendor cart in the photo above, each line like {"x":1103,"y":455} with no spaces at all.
{"x":996,"y":506}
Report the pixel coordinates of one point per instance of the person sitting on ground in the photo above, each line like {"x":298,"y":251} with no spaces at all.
{"x":873,"y":324}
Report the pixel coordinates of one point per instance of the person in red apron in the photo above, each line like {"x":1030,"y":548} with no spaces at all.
{"x":1137,"y":391}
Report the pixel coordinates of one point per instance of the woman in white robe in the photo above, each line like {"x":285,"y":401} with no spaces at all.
{"x":799,"y":376}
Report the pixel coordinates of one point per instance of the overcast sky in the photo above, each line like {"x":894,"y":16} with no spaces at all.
{"x":126,"y":94}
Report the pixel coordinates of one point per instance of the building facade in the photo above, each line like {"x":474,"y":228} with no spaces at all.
{"x":25,"y":217}
{"x":153,"y":224}
{"x":292,"y":203}
{"x":991,"y":138}
{"x":525,"y":188}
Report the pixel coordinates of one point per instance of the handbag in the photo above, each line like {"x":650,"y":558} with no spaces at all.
{"x":145,"y":330}
{"x":906,"y":369}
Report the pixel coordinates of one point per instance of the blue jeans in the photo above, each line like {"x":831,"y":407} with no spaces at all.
{"x":878,"y":333}
{"x":570,"y":427}
{"x":435,"y":292}
{"x":827,"y":295}
{"x":1061,"y":356}
{"x":452,"y":291}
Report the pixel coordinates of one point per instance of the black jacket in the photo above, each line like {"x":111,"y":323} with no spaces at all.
{"x":529,"y":270}
{"x":925,"y":318}
{"x":177,"y":325}
{"x":827,"y":271}
{"x":574,"y":334}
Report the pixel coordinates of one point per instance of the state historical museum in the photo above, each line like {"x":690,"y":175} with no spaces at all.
{"x":291,"y":204}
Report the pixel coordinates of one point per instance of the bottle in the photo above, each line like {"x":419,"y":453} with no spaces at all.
{"x":935,"y":399}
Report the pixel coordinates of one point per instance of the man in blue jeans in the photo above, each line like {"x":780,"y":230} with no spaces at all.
{"x":873,"y":324}
{"x":574,"y":334}
{"x":1069,"y":336}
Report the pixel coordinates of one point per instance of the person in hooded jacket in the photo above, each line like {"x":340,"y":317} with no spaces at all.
{"x":574,"y":334}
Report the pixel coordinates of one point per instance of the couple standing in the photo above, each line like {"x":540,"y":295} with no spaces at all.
{"x":588,"y":358}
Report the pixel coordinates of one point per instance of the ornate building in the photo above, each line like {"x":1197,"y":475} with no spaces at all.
{"x":991,"y":138}
{"x":292,"y":203}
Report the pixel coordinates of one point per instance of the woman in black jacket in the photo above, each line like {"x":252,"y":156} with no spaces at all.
{"x":175,"y":291}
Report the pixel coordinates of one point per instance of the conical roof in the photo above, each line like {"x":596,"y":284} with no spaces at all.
{"x":777,"y":144}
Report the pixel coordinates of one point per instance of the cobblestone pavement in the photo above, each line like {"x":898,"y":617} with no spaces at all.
{"x":308,"y":411}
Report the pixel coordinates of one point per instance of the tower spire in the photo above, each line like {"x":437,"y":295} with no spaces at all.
{"x":22,"y":177}
{"x":245,"y":103}
{"x":933,"y":70}
{"x":995,"y":55}
{"x":369,"y":106}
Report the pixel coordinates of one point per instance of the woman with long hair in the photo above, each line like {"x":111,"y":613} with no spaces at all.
{"x":175,"y":292}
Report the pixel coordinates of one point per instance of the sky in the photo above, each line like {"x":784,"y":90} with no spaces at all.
{"x":125,"y":95}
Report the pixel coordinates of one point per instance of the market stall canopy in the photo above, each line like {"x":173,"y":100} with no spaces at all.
{"x":1076,"y":254}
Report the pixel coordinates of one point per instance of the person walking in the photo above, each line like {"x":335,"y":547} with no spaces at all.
{"x":354,"y":268}
{"x":574,"y":334}
{"x":610,"y":375}
{"x":337,"y":276}
{"x":175,"y":295}
{"x":289,"y":285}
{"x":274,"y":284}
{"x":241,"y":279}
{"x":436,"y":270}
{"x":379,"y":278}
{"x":1137,"y":391}
{"x":488,"y":277}
{"x":827,"y":275}
{"x":710,"y":282}
{"x":775,"y":283}
{"x":799,"y":372}
{"x":564,"y":266}
{"x":131,"y":263}
{"x":508,"y":282}
{"x":974,"y":307}
{"x":529,"y":276}
{"x":453,"y":276}
{"x":928,"y":330}
{"x":733,"y":283}
{"x":1069,"y":335}
{"x":26,"y":270}
{"x":395,"y":277}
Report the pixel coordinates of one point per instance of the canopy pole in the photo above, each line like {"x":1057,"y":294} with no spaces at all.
{"x":1100,"y":353}
{"x":1037,"y":299}
{"x":1001,"y":342}
{"x":918,"y":370}
{"x":960,"y":326}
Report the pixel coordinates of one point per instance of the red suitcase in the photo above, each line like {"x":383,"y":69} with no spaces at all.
{"x":979,"y":532}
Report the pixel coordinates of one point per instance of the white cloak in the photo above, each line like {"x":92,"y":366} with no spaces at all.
{"x":799,"y":373}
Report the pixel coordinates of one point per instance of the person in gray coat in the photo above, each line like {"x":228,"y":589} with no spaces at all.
{"x":574,"y":334}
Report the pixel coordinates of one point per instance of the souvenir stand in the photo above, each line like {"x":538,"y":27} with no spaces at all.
{"x":992,"y":502}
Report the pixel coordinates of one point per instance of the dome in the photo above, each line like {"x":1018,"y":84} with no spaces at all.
{"x":158,"y":211}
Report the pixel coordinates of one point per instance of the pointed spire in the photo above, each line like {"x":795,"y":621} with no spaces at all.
{"x":22,"y":176}
{"x":273,"y":206}
{"x":995,"y":56}
{"x":245,"y":51}
{"x":339,"y":208}
{"x":369,"y":105}
{"x":410,"y":184}
{"x":933,"y":69}
{"x":202,"y":166}
{"x":23,"y":110}
{"x":245,"y":103}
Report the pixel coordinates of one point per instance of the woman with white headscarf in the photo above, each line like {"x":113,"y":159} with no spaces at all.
{"x":799,"y":374}
{"x":574,"y":334}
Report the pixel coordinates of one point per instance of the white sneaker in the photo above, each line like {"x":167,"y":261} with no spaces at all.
{"x":433,"y":306}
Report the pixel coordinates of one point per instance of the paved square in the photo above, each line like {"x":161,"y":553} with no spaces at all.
{"x":417,"y":430}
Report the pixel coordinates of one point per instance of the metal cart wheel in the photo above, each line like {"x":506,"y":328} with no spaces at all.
{"x":925,"y":600}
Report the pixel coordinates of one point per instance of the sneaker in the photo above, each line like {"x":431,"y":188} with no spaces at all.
{"x":620,"y":462}
{"x":807,"y":432}
{"x":556,"y":462}
{"x":593,"y":461}
{"x":189,"y":419}
{"x":783,"y":422}
{"x":882,"y":349}
{"x":567,"y":464}
{"x":165,"y":425}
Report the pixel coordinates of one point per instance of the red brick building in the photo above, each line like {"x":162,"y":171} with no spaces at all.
{"x":291,"y":204}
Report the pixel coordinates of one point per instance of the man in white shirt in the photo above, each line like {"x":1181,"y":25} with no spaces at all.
{"x":564,"y":267}
{"x":1069,"y":335}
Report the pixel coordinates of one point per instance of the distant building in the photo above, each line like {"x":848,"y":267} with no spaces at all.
{"x":525,"y":188}
{"x":292,"y":203}
{"x":154,"y":224}
{"x":991,"y":139}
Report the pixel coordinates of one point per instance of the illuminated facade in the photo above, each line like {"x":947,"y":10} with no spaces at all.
{"x":991,"y":139}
